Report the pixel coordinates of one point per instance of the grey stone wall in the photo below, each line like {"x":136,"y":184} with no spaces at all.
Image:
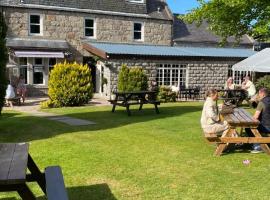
{"x":203,"y":74}
{"x":208,"y":74}
{"x":70,"y":26}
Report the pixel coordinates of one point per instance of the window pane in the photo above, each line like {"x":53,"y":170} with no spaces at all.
{"x":35,"y":29}
{"x":89,"y":32}
{"x":38,"y":77}
{"x":23,"y":71}
{"x":89,"y":23}
{"x":38,"y":61}
{"x":34,"y":19}
{"x":137,"y":27}
{"x":137,"y":36}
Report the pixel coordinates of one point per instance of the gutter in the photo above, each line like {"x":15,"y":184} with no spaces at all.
{"x":58,"y":8}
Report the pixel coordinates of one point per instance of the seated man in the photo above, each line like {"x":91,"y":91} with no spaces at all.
{"x":263,"y":115}
{"x":210,"y":121}
{"x":10,"y":94}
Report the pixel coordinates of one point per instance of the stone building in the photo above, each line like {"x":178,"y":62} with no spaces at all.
{"x":134,"y":32}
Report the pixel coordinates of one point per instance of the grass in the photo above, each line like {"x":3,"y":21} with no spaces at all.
{"x":145,"y":156}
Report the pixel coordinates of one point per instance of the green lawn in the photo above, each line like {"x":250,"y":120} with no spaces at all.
{"x":145,"y":156}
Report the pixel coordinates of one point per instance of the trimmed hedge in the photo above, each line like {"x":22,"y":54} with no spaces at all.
{"x":3,"y":61}
{"x":69,"y":85}
{"x":132,"y":79}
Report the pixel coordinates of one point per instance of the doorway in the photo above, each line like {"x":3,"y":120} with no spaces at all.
{"x":92,"y":65}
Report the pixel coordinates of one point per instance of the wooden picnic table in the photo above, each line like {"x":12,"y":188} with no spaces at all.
{"x":14,"y":161}
{"x":240,"y":118}
{"x":235,"y":96}
{"x":125,"y":99}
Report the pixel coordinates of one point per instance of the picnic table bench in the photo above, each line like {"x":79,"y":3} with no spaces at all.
{"x":126,"y":99}
{"x":240,"y":118}
{"x":15,"y":160}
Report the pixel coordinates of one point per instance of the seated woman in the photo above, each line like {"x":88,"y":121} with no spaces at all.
{"x":229,"y":85}
{"x":10,"y":94}
{"x":210,"y":121}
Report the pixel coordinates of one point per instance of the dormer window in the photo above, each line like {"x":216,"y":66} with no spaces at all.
{"x":138,"y":31}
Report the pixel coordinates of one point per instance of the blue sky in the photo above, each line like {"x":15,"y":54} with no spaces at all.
{"x":182,"y":6}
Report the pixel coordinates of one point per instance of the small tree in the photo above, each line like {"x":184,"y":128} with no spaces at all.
{"x":137,"y":80}
{"x":132,"y":79}
{"x":3,"y":61}
{"x":263,"y":82}
{"x":70,"y":85}
{"x":123,"y":78}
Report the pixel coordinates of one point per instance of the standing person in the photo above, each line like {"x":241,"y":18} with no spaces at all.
{"x":262,"y":114}
{"x":210,"y":120}
{"x":21,"y":88}
{"x":229,"y":84}
{"x":249,"y":86}
{"x":10,"y":94}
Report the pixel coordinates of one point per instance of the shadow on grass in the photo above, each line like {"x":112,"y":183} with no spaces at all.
{"x":17,"y":127}
{"x":93,"y":192}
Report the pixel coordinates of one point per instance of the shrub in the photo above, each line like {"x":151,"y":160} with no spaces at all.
{"x":70,"y":85}
{"x":132,"y":79}
{"x":263,"y":82}
{"x":166,"y":94}
{"x":3,"y":61}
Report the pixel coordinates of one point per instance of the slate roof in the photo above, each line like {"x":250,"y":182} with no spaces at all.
{"x":30,"y":43}
{"x":190,"y":33}
{"x":174,"y":51}
{"x":149,"y":8}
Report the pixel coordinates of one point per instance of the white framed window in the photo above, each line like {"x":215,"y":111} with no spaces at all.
{"x":35,"y":24}
{"x":23,"y":68}
{"x":172,"y":74}
{"x":38,"y":71}
{"x":90,"y":27}
{"x":238,"y":76}
{"x":138,"y":31}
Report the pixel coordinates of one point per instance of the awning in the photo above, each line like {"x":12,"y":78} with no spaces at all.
{"x":259,"y":62}
{"x":39,"y":54}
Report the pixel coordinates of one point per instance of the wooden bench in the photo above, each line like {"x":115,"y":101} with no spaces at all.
{"x":55,"y":186}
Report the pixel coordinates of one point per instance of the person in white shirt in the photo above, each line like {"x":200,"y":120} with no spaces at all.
{"x":249,"y":87}
{"x":210,"y":120}
{"x":10,"y":94}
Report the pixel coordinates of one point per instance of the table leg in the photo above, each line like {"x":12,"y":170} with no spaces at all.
{"x":221,"y":147}
{"x":113,"y":108}
{"x":36,"y":174}
{"x":128,"y":111}
{"x":156,"y":107}
{"x":25,"y":193}
{"x":141,"y":105}
{"x":264,"y":147}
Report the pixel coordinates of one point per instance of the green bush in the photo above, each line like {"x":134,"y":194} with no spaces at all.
{"x":166,"y":94}
{"x":3,"y":61}
{"x":132,"y":79}
{"x":70,"y":85}
{"x":263,"y":82}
